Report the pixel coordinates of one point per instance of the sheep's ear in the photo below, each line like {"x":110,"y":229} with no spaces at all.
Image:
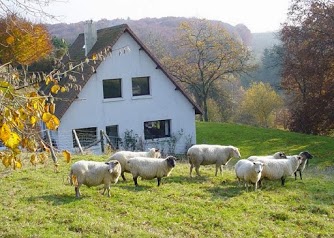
{"x":254,"y":163}
{"x":156,"y":150}
{"x":107,"y":163}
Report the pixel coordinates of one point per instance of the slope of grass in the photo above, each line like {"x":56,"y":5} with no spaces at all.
{"x":40,"y":203}
{"x":261,"y":141}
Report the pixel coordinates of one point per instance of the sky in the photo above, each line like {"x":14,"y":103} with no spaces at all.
{"x":257,"y":15}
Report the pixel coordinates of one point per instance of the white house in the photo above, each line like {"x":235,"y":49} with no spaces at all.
{"x":128,"y":92}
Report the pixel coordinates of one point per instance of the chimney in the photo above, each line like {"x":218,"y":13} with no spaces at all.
{"x":90,"y":36}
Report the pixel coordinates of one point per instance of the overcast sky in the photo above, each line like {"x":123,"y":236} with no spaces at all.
{"x":257,"y":15}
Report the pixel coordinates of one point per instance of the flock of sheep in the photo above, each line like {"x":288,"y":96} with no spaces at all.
{"x":149,"y":165}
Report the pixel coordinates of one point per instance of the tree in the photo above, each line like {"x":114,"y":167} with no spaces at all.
{"x":260,"y":101}
{"x":308,"y":69}
{"x":208,"y":53}
{"x":21,"y":108}
{"x":22,"y":42}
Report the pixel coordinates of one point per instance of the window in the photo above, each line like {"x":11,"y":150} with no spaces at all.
{"x":156,"y":129}
{"x":112,"y":132}
{"x":112,"y":88}
{"x":140,"y":86}
{"x":86,"y":136}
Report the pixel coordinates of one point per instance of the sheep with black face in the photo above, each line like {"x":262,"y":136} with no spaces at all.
{"x":150,"y":168}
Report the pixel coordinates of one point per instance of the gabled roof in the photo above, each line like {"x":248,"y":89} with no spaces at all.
{"x":106,"y":38}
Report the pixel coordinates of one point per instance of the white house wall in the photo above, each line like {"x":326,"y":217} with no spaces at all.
{"x":129,"y":113}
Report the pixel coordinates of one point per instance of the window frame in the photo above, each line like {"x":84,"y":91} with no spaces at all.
{"x":107,"y":95}
{"x":147,"y":89}
{"x":154,"y":130}
{"x":115,"y":139}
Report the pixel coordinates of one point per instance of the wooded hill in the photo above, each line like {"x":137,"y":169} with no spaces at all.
{"x":164,"y":29}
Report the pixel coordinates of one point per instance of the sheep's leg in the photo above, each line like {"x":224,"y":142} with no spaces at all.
{"x":300,"y":174}
{"x":159,"y":181}
{"x":135,"y":181}
{"x":123,"y":177}
{"x":283,"y":181}
{"x":296,"y":175}
{"x":260,"y":183}
{"x":246,"y":185}
{"x":255,"y":186}
{"x":106,"y":188}
{"x":77,"y":191}
{"x":191,"y":169}
{"x":197,"y":170}
{"x":220,"y":168}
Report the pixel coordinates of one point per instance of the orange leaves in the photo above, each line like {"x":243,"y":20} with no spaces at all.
{"x":22,"y":41}
{"x":67,"y":156}
{"x":10,"y":40}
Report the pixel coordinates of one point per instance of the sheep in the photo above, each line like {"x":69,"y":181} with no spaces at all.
{"x":305,"y":157}
{"x":203,"y":154}
{"x":150,"y":168}
{"x":248,"y":171}
{"x":275,"y":169}
{"x":123,"y":156}
{"x":92,"y":173}
{"x":277,"y":155}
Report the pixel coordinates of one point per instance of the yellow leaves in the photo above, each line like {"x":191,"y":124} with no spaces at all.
{"x":33,"y":159}
{"x":5,"y":132}
{"x":33,"y":120}
{"x":94,"y":56}
{"x":48,"y":80}
{"x":63,"y":89}
{"x":55,"y":88}
{"x":52,"y":108}
{"x":13,"y":141}
{"x":51,"y":121}
{"x":10,"y":40}
{"x":74,"y":180}
{"x":9,"y":159}
{"x":25,"y":42}
{"x":67,"y":156}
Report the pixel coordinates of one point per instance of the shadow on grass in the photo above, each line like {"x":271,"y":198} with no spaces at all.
{"x":187,"y":179}
{"x":56,"y":199}
{"x":227,"y":189}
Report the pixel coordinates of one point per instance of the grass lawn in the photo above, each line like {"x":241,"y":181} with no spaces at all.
{"x":37,"y":202}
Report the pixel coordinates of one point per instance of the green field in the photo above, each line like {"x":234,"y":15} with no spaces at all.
{"x":37,"y":202}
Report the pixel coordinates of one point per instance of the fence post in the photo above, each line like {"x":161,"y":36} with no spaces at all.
{"x":53,"y":154}
{"x":77,"y":140}
{"x":102,"y":141}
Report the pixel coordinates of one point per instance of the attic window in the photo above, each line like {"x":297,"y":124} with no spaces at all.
{"x":112,"y":88}
{"x":140,"y":86}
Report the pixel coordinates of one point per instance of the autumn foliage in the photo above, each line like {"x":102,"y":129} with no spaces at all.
{"x":308,"y":69}
{"x":22,"y":42}
{"x":22,"y":109}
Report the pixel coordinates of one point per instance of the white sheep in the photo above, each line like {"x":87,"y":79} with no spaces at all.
{"x":92,"y":173}
{"x":305,"y":157}
{"x":203,"y":154}
{"x":275,"y":169}
{"x":249,"y":172}
{"x":277,"y":155}
{"x":123,"y":156}
{"x":150,"y":168}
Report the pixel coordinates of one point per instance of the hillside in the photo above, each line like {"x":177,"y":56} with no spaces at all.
{"x":164,"y":27}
